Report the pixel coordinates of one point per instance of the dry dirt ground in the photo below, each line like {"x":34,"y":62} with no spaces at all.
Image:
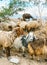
{"x":23,"y":61}
{"x":27,"y":60}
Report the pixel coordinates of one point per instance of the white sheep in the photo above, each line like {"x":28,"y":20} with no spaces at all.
{"x":18,"y":44}
{"x":21,"y":42}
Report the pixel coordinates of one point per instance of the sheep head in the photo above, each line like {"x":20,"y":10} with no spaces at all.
{"x":19,"y":31}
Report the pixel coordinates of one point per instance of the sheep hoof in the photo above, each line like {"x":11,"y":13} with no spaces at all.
{"x":23,"y":54}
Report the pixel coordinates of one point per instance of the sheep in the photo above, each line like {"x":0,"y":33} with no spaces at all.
{"x":18,"y":44}
{"x":19,"y":31}
{"x":12,"y":24}
{"x":32,"y":25}
{"x":22,"y":41}
{"x":41,"y":35}
{"x":41,"y":50}
{"x":6,"y":40}
{"x":35,"y":48}
{"x":38,"y":47}
{"x":7,"y":26}
{"x":28,"y":38}
{"x":26,"y":16}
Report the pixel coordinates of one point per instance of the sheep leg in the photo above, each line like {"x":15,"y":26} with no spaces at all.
{"x":7,"y":51}
{"x":3,"y":50}
{"x":23,"y":49}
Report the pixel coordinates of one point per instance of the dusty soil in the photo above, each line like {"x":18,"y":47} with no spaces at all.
{"x":27,"y":60}
{"x":23,"y":61}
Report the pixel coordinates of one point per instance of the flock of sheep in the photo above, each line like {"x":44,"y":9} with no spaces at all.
{"x":22,"y":35}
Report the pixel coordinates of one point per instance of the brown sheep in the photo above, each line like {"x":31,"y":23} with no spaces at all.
{"x":42,"y":37}
{"x":19,"y":31}
{"x":26,"y":16}
{"x":6,"y":40}
{"x":30,"y":49}
{"x":38,"y":47}
{"x":41,"y":50}
{"x":32,"y":25}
